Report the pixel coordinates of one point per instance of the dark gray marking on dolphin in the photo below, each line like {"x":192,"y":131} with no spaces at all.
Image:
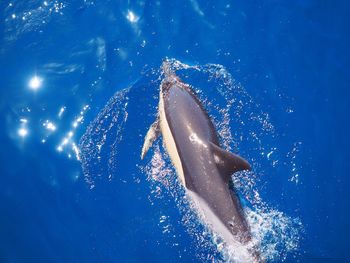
{"x":204,"y":168}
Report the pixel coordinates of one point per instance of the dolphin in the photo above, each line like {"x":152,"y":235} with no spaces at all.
{"x":203,"y":167}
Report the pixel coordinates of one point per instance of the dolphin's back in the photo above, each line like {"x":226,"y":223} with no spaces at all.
{"x":191,"y":129}
{"x":185,"y":111}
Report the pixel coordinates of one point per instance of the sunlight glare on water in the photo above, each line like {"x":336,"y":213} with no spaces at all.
{"x":132,"y":17}
{"x":35,"y":82}
{"x":23,"y":132}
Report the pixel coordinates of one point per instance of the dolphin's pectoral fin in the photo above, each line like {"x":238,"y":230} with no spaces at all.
{"x":151,"y":136}
{"x":228,"y":163}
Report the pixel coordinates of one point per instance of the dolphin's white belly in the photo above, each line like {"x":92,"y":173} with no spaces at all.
{"x":169,"y":141}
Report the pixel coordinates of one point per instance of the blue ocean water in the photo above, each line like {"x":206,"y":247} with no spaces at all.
{"x":79,"y":85}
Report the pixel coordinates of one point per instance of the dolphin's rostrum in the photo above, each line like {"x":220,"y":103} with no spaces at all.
{"x":204,"y":168}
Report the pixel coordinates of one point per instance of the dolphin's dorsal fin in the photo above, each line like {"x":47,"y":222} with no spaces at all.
{"x":228,"y":163}
{"x":151,"y":136}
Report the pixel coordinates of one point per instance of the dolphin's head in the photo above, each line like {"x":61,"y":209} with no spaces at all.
{"x":170,"y":81}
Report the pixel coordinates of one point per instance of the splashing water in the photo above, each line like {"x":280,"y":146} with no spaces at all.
{"x":241,"y":124}
{"x":101,"y":138}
